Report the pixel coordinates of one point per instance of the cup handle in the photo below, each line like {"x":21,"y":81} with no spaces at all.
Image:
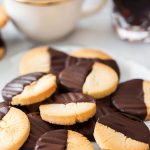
{"x":93,"y":11}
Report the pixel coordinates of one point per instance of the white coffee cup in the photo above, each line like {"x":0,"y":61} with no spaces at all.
{"x":47,"y":20}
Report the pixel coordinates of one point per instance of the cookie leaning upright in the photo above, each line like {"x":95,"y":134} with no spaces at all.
{"x":14,"y":127}
{"x":29,"y":89}
{"x":116,"y":131}
{"x":43,"y":59}
{"x":68,"y":109}
{"x":133,"y":97}
{"x":63,"y":140}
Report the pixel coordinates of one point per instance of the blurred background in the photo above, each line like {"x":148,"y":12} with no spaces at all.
{"x":92,"y":32}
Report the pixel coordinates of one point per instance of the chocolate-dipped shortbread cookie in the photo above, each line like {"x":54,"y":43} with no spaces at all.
{"x":92,"y":78}
{"x":68,"y":109}
{"x":133,"y":97}
{"x":29,"y":89}
{"x":116,"y":131}
{"x":3,"y":17}
{"x":43,"y":59}
{"x":37,"y":128}
{"x":63,"y":140}
{"x":14,"y":127}
{"x":92,"y":55}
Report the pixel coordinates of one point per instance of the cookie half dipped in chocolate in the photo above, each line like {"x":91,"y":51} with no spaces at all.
{"x":117,"y":131}
{"x":82,"y":55}
{"x":14,"y":127}
{"x":68,"y":109}
{"x":37,"y":128}
{"x":63,"y":140}
{"x":92,"y":78}
{"x":29,"y":89}
{"x":133,"y":97}
{"x":43,"y":59}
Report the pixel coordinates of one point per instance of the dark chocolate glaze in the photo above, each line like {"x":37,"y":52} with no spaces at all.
{"x":127,"y":125}
{"x":4,"y":108}
{"x":103,"y":107}
{"x":86,"y":128}
{"x":30,"y":108}
{"x":73,"y":77}
{"x":110,"y":62}
{"x":17,"y":85}
{"x":53,"y":140}
{"x":72,"y":98}
{"x":57,"y":59}
{"x":129,"y":98}
{"x":37,"y":128}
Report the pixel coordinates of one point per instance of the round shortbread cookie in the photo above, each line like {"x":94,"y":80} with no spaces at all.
{"x":94,"y":79}
{"x":29,"y":89}
{"x":68,"y":109}
{"x":37,"y":128}
{"x":43,"y":59}
{"x":14,"y":127}
{"x":63,"y":140}
{"x":92,"y":55}
{"x":117,"y":131}
{"x":3,"y":16}
{"x":133,"y":97}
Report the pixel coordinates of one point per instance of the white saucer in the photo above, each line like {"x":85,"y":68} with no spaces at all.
{"x":129,"y":69}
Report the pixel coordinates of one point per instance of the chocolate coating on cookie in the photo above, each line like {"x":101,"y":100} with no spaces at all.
{"x":86,"y":128}
{"x":37,"y":128}
{"x":72,"y":98}
{"x":73,"y":77}
{"x":110,"y":62}
{"x":54,"y":140}
{"x":4,"y":108}
{"x":17,"y":85}
{"x":30,"y":108}
{"x":129,"y":126}
{"x":129,"y":98}
{"x":58,"y":59}
{"x":104,"y":107}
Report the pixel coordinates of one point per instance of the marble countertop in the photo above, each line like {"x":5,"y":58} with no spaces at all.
{"x":93,"y":32}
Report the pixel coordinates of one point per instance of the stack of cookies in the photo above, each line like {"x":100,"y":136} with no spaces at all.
{"x":64,"y":101}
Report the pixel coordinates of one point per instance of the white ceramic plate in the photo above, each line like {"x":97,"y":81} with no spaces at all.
{"x":129,"y":70}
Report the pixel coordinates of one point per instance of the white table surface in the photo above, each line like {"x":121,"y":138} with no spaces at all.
{"x":93,"y":32}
